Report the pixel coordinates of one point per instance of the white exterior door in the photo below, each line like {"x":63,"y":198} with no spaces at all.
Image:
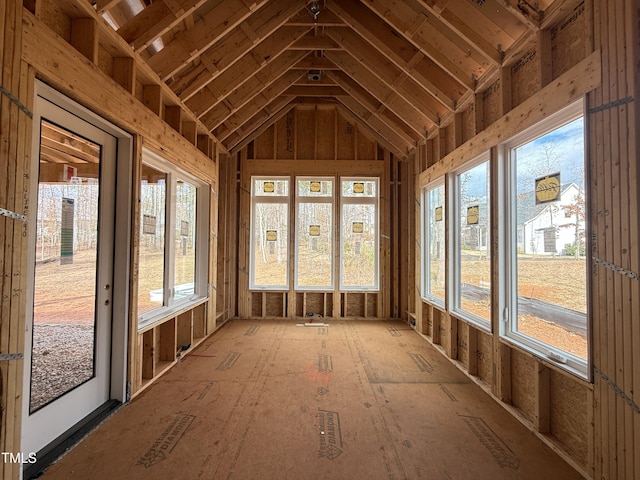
{"x":69,"y":313}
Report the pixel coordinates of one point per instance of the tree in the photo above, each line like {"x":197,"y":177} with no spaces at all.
{"x":576,"y":210}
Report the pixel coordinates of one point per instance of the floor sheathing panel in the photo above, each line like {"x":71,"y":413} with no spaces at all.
{"x":272,"y":400}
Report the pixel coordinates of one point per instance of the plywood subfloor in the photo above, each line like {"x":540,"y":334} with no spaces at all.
{"x":271,"y":400}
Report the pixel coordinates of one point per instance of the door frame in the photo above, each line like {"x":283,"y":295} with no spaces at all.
{"x":118,"y":389}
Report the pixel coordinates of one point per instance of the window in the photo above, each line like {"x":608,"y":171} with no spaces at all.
{"x":470,"y":242}
{"x":359,"y":235}
{"x":173,"y":254}
{"x":314,"y":233}
{"x":153,"y":205}
{"x":269,"y":257}
{"x":546,"y":239}
{"x":433,"y":280}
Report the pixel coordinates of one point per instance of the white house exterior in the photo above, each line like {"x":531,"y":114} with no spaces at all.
{"x":546,"y":229}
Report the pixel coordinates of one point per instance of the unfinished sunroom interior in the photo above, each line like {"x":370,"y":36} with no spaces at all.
{"x":292,"y":239}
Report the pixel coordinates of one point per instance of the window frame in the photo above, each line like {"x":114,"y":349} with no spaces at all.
{"x":326,"y":199}
{"x":269,"y":199}
{"x":509,"y":242}
{"x":455,"y":243}
{"x":170,"y":306}
{"x":426,"y":254}
{"x":364,"y":200}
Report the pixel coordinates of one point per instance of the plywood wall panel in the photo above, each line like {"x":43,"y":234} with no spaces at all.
{"x":354,"y":305}
{"x":568,"y":41}
{"x":525,"y":80}
{"x":55,"y":19}
{"x":523,"y":393}
{"x":345,"y":135}
{"x":285,"y":136}
{"x":569,"y":414}
{"x":484,"y":355}
{"x":468,"y":123}
{"x":613,"y":155}
{"x":326,"y":134}
{"x":315,"y":303}
{"x":274,"y":304}
{"x":305,"y":134}
{"x":105,"y":62}
{"x":367,"y":148}
{"x":450,"y":139}
{"x":491,"y":103}
{"x":264,"y":144}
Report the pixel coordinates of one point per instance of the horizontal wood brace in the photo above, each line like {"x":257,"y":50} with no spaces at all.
{"x":14,"y":215}
{"x":616,"y":268}
{"x":619,"y":392}
{"x":615,"y":103}
{"x":16,"y":101}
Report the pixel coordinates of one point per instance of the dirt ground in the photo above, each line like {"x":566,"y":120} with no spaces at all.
{"x":65,"y":293}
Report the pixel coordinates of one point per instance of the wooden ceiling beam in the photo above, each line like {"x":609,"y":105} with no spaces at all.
{"x":404,"y":83}
{"x":315,"y":63}
{"x":315,"y":42}
{"x":237,"y":93}
{"x":404,"y":55}
{"x":213,"y":90}
{"x":156,"y":20}
{"x":315,"y":91}
{"x":353,"y":111}
{"x":188,"y":45}
{"x":371,"y":27}
{"x":242,"y":95}
{"x":460,"y":27}
{"x":265,"y":97}
{"x":558,"y":11}
{"x":264,"y":126}
{"x":326,"y":19}
{"x":230,"y":49}
{"x":523,"y":11}
{"x":437,"y":39}
{"x":398,"y":82}
{"x":420,"y":121}
{"x":376,"y":108}
{"x":259,"y":122}
{"x":103,"y":6}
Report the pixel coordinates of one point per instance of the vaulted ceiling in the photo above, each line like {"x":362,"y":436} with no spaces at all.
{"x":401,"y":67}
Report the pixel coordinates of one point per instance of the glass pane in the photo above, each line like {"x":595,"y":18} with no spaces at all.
{"x":271,"y":188}
{"x":359,"y":188}
{"x":270,"y":236}
{"x":185,"y":240}
{"x":63,"y":346}
{"x":315,"y":252}
{"x":473,"y":228}
{"x":315,"y":188}
{"x":359,"y":256}
{"x":436,"y":242}
{"x":153,"y":204}
{"x":550,"y":236}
